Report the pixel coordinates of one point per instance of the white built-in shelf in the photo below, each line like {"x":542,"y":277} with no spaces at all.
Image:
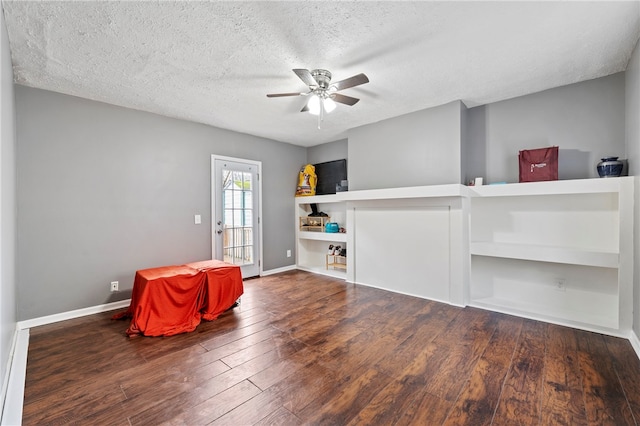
{"x":340,"y":237}
{"x":558,"y":187}
{"x":557,"y":251}
{"x":321,"y":199}
{"x":552,"y":254}
{"x":430,"y":191}
{"x":312,"y":244}
{"x":322,"y":270}
{"x":526,"y":238}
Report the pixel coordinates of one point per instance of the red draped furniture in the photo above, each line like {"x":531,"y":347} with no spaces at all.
{"x":174,"y":299}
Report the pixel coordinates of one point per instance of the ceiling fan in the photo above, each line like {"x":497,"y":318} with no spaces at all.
{"x":324,"y":93}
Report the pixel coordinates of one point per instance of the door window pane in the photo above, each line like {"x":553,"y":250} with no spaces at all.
{"x":238,"y":217}
{"x":246,"y":177}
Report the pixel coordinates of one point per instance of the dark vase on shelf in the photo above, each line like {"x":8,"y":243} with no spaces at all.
{"x":609,"y":167}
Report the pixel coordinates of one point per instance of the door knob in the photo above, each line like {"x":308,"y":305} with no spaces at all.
{"x":219,"y":222}
{"x":219,"y":231}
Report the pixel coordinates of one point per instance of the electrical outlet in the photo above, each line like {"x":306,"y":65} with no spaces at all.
{"x":114,"y":286}
{"x":288,"y":253}
{"x":561,"y":284}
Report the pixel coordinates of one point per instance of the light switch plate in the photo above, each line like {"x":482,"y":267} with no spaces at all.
{"x":197,"y":219}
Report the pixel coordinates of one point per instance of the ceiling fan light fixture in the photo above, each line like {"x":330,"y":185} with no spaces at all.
{"x":329,"y":105}
{"x":314,"y":105}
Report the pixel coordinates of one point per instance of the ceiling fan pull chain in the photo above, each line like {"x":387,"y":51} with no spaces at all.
{"x":321,"y":115}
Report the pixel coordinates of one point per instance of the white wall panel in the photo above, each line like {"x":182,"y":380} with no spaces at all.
{"x":404,"y":249}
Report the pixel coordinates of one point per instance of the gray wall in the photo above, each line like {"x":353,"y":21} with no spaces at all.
{"x":474,"y":144}
{"x":7,"y":207}
{"x":104,"y":191}
{"x":632,"y":100}
{"x":586,"y":120}
{"x":330,"y":151}
{"x":421,"y":148}
{"x":465,"y":152}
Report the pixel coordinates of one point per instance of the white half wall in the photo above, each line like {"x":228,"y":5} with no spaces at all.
{"x":396,"y":246}
{"x":414,"y":246}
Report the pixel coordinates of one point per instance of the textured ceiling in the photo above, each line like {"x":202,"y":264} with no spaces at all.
{"x":214,"y":62}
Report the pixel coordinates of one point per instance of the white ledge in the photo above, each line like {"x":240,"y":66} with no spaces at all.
{"x":323,"y":236}
{"x":430,"y":191}
{"x":556,"y":187}
{"x":567,"y":255}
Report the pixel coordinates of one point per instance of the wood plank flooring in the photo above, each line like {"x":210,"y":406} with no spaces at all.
{"x":308,"y":349}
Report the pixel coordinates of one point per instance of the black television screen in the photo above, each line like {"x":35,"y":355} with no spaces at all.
{"x":329,"y":174}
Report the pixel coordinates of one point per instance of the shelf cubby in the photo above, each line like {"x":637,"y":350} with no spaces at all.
{"x":555,"y":251}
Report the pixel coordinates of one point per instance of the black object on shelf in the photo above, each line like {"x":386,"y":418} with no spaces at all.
{"x":330,"y":174}
{"x":315,"y":212}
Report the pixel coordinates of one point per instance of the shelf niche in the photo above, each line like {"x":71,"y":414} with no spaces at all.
{"x":555,"y":251}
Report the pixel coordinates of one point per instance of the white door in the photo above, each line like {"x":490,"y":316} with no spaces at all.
{"x":236,"y":213}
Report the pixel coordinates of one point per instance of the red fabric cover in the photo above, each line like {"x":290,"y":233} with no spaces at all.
{"x":223,"y":286}
{"x":173,"y":299}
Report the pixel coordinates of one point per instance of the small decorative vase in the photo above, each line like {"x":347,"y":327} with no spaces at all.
{"x":609,"y":167}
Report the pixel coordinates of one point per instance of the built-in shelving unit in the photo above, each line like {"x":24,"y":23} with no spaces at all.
{"x":393,"y":236}
{"x":557,"y":251}
{"x":554,"y":251}
{"x":313,"y":246}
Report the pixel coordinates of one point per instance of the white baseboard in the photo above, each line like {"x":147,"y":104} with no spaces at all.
{"x":7,"y":371}
{"x":278,"y":270}
{"x":635,"y":342}
{"x":50,"y":319}
{"x":12,"y":408}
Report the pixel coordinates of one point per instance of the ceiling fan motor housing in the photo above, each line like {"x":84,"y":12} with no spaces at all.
{"x":323,"y":77}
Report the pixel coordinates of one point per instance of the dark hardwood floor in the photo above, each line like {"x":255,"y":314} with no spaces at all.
{"x":307,"y":349}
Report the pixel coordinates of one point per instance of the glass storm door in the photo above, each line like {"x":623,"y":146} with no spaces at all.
{"x":236,"y":214}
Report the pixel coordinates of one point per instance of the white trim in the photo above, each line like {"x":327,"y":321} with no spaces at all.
{"x":635,"y":342}
{"x":5,"y":379}
{"x":50,"y":319}
{"x":446,"y":302}
{"x":278,"y":270}
{"x":12,"y":410}
{"x":258,"y":165}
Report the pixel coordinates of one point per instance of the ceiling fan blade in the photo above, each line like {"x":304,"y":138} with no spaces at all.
{"x":356,"y":80}
{"x":278,"y":95}
{"x":305,"y":108}
{"x":306,"y":77}
{"x":343,"y":99}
